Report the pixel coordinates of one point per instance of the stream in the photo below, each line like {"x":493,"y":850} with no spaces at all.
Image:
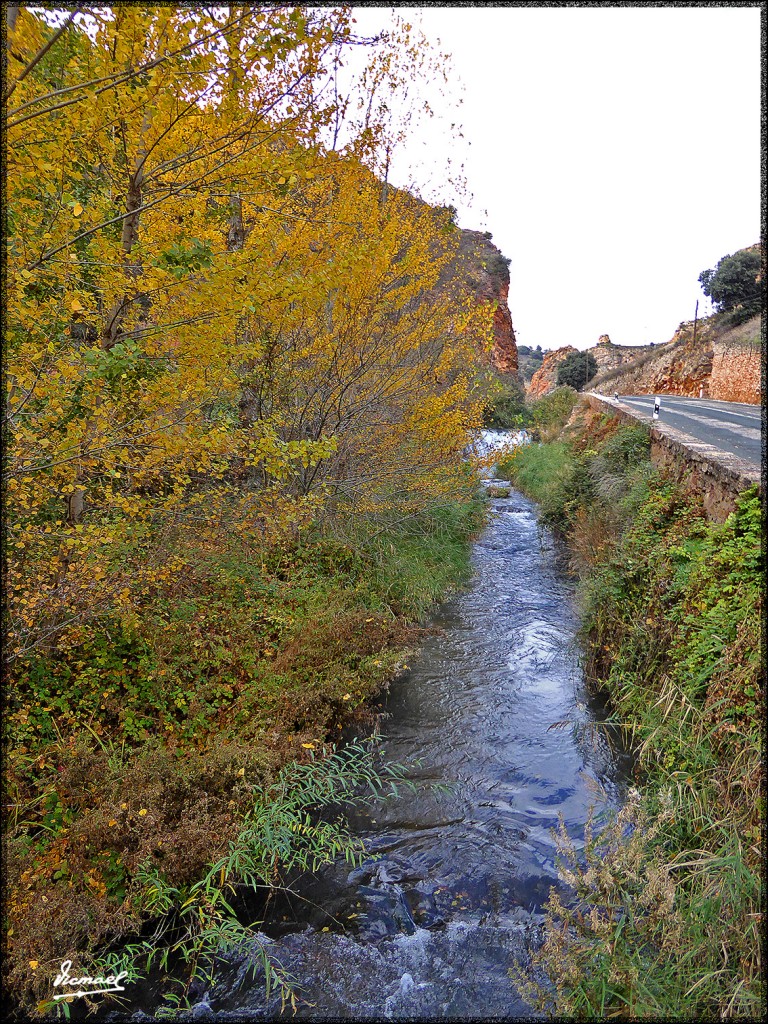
{"x":495,"y":711}
{"x":451,"y":895}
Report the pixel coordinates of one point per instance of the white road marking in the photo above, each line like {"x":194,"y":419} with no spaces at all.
{"x":731,"y":428}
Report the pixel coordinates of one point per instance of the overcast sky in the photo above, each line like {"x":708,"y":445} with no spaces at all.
{"x":613,"y":152}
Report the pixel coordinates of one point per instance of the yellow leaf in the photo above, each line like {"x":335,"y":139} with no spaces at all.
{"x":75,"y":305}
{"x":77,"y":209}
{"x":309,"y":746}
{"x":142,"y":812}
{"x":33,"y":964}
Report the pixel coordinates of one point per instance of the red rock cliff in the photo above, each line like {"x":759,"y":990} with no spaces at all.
{"x":504,"y":352}
{"x":486,"y":271}
{"x":543,"y":381}
{"x":736,"y":365}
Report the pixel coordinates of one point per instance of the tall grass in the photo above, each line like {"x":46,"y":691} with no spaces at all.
{"x":666,"y":918}
{"x":608,"y":482}
{"x":421,"y":563}
{"x":539,"y":470}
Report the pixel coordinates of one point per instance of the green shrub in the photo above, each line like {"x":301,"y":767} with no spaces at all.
{"x":735,"y":285}
{"x":576,"y":370}
{"x":550,"y":413}
{"x":507,"y":407}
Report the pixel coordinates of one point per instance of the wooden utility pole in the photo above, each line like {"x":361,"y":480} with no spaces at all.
{"x":695,"y":321}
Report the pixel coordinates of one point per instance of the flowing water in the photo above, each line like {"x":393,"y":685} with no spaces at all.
{"x":495,"y":711}
{"x":451,"y":896}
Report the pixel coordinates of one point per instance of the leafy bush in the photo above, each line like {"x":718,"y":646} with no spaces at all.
{"x":507,"y":407}
{"x":550,"y":414}
{"x":576,"y":370}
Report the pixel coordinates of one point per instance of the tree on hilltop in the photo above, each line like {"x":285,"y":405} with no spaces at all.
{"x":734,"y":285}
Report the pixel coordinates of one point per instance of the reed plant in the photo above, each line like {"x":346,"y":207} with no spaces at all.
{"x":286,"y":830}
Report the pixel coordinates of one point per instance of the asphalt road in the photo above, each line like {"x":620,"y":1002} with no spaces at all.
{"x":729,"y":426}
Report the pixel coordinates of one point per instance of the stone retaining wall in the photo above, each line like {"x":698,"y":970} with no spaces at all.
{"x":735,"y":374}
{"x":717,"y":476}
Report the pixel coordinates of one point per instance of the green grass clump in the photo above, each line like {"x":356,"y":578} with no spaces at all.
{"x":539,"y":470}
{"x":566,"y":480}
{"x":426,"y":559}
{"x":549,"y":414}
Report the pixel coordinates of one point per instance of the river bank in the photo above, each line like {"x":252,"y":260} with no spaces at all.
{"x":136,"y":756}
{"x":669,"y":911}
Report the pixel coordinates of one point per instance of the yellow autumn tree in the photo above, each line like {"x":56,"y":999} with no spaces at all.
{"x":210,"y":314}
{"x":369,"y":351}
{"x":225,"y":330}
{"x":125,"y":291}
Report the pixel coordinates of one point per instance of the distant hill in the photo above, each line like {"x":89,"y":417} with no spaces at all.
{"x":716,"y":357}
{"x":529,"y":360}
{"x":718,"y":360}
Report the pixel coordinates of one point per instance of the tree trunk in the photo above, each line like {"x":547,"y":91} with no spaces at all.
{"x":112,"y":327}
{"x":236,"y":230}
{"x":75,"y":506}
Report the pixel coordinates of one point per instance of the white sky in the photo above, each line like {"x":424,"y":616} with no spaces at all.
{"x":613,"y":152}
